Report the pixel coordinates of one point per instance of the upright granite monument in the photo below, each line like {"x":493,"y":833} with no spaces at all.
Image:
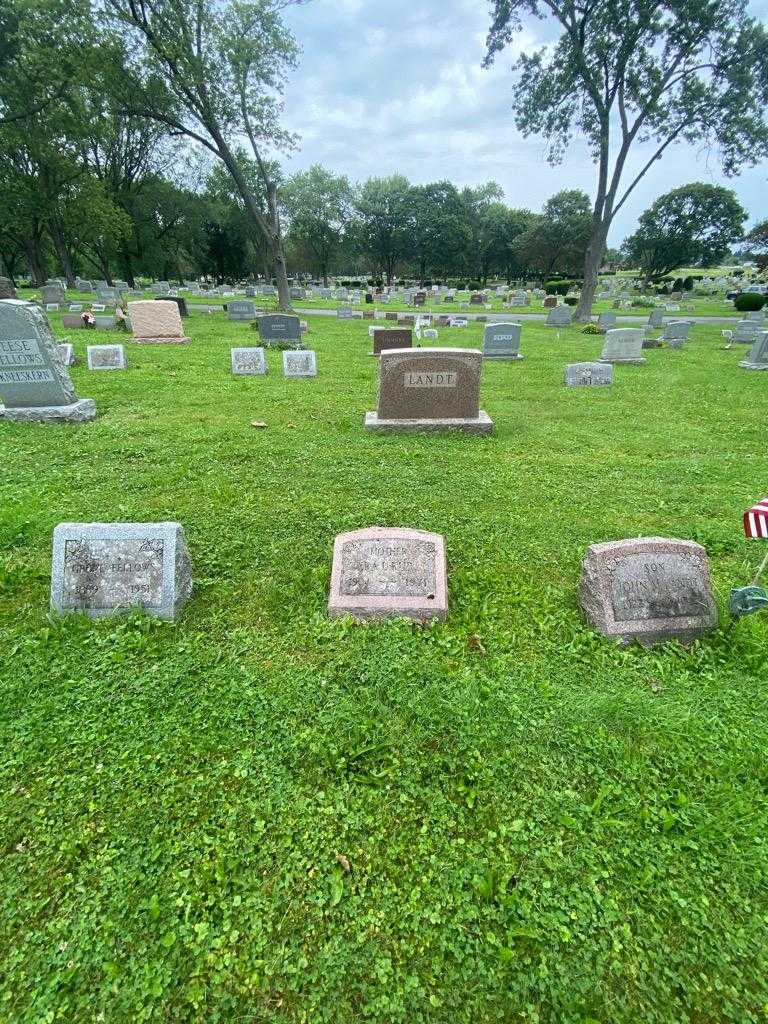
{"x":382,"y":573}
{"x":430,"y":389}
{"x":103,"y":568}
{"x":502,"y":342}
{"x":650,"y":590}
{"x":156,"y":323}
{"x":623,"y":345}
{"x":385,"y":338}
{"x":34,"y":383}
{"x":758,"y":354}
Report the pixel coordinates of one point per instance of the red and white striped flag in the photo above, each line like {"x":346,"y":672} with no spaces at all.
{"x":756,"y":521}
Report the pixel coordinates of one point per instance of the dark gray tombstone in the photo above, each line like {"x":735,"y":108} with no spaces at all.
{"x":280,"y":327}
{"x":7,"y":291}
{"x":502,"y":342}
{"x":390,"y":337}
{"x":34,"y":384}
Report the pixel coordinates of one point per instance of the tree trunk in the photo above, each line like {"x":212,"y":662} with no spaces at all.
{"x":35,"y":261}
{"x":60,"y":245}
{"x":592,"y":260}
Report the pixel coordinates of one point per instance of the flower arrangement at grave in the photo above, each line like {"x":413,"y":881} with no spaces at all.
{"x":89,"y":320}
{"x":593,"y":329}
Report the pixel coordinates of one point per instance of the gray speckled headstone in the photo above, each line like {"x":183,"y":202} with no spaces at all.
{"x":106,"y":357}
{"x":588,"y":375}
{"x":746,"y":332}
{"x":560,"y":316}
{"x":7,"y":291}
{"x":656,"y":318}
{"x":676,"y":333}
{"x":758,"y":354}
{"x":502,"y":341}
{"x":65,"y":353}
{"x":248,"y":362}
{"x":241,"y":309}
{"x":382,"y":573}
{"x":299,"y":364}
{"x":280,"y":327}
{"x":651,"y":590}
{"x":52,"y":293}
{"x":623,"y":345}
{"x":607,"y":319}
{"x":103,"y":568}
{"x":34,"y":384}
{"x":344,"y":313}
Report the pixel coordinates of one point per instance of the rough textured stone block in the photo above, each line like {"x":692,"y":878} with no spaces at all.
{"x":106,"y":357}
{"x":156,"y":323}
{"x":248,"y":362}
{"x":100,"y":569}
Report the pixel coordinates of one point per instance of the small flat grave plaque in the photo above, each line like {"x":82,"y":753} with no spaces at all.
{"x":106,"y":357}
{"x":382,"y":573}
{"x":100,"y":569}
{"x":650,"y":590}
{"x":248,"y":362}
{"x":299,"y":364}
{"x":588,"y":375}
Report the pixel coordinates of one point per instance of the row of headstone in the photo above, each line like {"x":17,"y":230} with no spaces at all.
{"x":648,"y":589}
{"x":252,"y":362}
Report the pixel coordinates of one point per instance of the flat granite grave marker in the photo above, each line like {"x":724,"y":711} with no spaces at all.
{"x":248,"y":362}
{"x":65,"y":353}
{"x":100,"y":569}
{"x":382,"y":573}
{"x":623,"y":345}
{"x":758,"y":354}
{"x":34,"y":384}
{"x":390,"y":337}
{"x":106,"y":357}
{"x":280,"y":327}
{"x":651,"y":589}
{"x":156,"y":323}
{"x":430,"y":389}
{"x":502,"y":341}
{"x":588,"y":375}
{"x":299,"y":364}
{"x":241,"y":309}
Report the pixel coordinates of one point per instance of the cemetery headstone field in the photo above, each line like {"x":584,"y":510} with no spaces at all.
{"x":261,"y":811}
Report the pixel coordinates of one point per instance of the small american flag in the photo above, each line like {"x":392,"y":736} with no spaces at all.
{"x":756,"y":521}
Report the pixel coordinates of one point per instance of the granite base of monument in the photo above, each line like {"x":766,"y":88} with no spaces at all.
{"x":82,"y":411}
{"x":480,"y":424}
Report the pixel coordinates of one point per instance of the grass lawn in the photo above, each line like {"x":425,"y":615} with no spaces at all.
{"x":260,"y":815}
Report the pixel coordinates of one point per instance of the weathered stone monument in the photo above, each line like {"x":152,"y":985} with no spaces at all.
{"x":7,"y":291}
{"x":623,"y":345}
{"x":758,"y":354}
{"x":156,"y":323}
{"x":52,"y":293}
{"x":241,"y":309}
{"x":746,"y":332}
{"x":106,"y":357}
{"x":390,"y":337}
{"x":650,"y":590}
{"x":299,"y":363}
{"x":280,"y":327}
{"x":502,"y":342}
{"x":248,"y":362}
{"x":588,"y":375}
{"x":103,"y":568}
{"x":676,"y":333}
{"x":656,"y":319}
{"x":560,"y":316}
{"x":34,"y":384}
{"x":65,"y":353}
{"x":607,"y":320}
{"x":382,"y":573}
{"x":430,"y":389}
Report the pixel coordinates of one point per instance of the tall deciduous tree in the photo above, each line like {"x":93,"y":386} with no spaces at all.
{"x":556,"y":241}
{"x":213,"y":71}
{"x":319,"y":205}
{"x":627,"y":72}
{"x":756,"y":244}
{"x":385,"y":210}
{"x":694,"y":225}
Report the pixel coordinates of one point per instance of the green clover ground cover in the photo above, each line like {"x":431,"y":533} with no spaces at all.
{"x":261,"y":815}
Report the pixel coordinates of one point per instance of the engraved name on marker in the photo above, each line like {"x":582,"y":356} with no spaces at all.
{"x":668,"y":587}
{"x":432,"y":379}
{"x":388,"y":567}
{"x":110,"y":573}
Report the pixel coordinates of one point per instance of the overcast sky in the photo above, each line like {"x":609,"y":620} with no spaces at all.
{"x":396,"y":86}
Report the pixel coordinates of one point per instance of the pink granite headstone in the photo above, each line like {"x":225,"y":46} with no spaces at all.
{"x":156,"y":323}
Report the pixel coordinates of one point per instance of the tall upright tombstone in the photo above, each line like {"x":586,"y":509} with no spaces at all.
{"x":430,"y":389}
{"x":382,"y":573}
{"x":502,"y":342}
{"x":241,"y":309}
{"x":623,"y":345}
{"x":758,"y":354}
{"x":101,"y":569}
{"x":648,"y":589}
{"x":52,"y":293}
{"x":180,"y":301}
{"x":35,"y":386}
{"x":560,"y":316}
{"x":280,"y":327}
{"x":676,"y":333}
